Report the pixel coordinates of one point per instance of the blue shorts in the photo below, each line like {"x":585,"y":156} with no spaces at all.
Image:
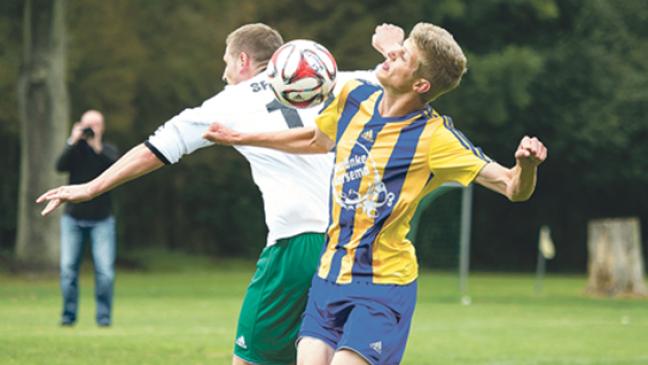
{"x":372,"y":320}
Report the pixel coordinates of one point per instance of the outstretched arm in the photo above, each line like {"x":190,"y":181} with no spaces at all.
{"x":517,"y":183}
{"x":137,"y":162}
{"x":298,"y":140}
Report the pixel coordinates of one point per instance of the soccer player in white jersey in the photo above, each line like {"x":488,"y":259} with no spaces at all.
{"x":294,"y":188}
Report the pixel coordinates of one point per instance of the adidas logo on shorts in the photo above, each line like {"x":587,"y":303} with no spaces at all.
{"x":376,"y":346}
{"x":240,"y":342}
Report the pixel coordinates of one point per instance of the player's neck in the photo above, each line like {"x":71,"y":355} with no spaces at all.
{"x":393,"y":105}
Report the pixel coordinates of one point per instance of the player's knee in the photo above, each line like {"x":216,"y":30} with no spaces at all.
{"x":238,"y":361}
{"x":347,"y":357}
{"x":312,"y":351}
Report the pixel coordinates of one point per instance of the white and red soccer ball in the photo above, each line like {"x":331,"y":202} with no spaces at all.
{"x":302,"y":73}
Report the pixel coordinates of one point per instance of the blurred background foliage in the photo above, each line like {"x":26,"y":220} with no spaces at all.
{"x":572,"y":72}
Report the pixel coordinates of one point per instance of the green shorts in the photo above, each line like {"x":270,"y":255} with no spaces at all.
{"x":275,"y":300}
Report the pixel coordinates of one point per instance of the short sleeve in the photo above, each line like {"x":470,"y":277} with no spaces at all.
{"x":183,"y":134}
{"x":453,"y":157}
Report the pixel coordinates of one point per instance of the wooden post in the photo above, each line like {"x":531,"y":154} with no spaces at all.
{"x":546,"y":251}
{"x":615,"y":261}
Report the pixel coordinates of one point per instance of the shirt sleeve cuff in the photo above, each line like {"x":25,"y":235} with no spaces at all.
{"x":157,"y":153}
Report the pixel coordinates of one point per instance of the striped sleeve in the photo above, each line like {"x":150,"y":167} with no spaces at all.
{"x":453,"y":157}
{"x":327,"y":120}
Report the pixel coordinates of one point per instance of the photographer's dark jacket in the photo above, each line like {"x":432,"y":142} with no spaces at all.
{"x":83,"y":164}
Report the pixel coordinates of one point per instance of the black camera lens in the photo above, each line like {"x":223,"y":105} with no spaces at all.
{"x":88,"y":132}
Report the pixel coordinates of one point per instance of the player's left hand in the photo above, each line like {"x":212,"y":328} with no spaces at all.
{"x":68,"y":193}
{"x":531,"y":152}
{"x":220,"y":134}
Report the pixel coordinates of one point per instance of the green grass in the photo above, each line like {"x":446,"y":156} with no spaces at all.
{"x":183,"y":310}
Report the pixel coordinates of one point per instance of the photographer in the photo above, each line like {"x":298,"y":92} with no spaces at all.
{"x":85,"y":157}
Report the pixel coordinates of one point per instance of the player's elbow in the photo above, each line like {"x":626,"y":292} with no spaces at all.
{"x":519,"y":198}
{"x":319,"y":146}
{"x":517,"y":195}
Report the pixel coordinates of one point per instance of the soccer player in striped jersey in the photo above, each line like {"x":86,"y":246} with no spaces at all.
{"x":391,"y":149}
{"x":294,"y":190}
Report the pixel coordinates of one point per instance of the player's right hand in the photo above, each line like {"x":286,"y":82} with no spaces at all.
{"x":67,"y":193}
{"x":387,"y":37}
{"x":220,"y":134}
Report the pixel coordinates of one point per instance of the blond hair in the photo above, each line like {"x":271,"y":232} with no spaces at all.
{"x":441,"y":60}
{"x":257,"y":40}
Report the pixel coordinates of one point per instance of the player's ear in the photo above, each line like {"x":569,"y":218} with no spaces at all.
{"x":421,"y":86}
{"x":243,"y":60}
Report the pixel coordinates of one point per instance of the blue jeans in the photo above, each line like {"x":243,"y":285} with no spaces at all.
{"x":102,"y":237}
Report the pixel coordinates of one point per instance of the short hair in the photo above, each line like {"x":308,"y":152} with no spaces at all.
{"x":257,"y":40}
{"x":441,"y":61}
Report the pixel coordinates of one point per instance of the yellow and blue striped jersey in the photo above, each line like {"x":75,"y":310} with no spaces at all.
{"x":383,"y":167}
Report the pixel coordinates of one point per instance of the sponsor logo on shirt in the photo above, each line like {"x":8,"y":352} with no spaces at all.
{"x":356,"y":167}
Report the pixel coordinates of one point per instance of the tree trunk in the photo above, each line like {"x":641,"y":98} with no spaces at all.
{"x":615,"y":260}
{"x":43,"y":108}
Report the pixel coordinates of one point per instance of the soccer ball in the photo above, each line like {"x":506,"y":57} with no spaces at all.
{"x":302,"y":73}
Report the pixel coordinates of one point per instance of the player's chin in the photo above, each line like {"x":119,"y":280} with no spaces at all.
{"x":383,"y":77}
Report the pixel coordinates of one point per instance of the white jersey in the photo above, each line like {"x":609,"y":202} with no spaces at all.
{"x":295,"y":188}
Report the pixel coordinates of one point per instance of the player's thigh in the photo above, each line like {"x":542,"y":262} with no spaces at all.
{"x":238,"y":361}
{"x":299,"y":260}
{"x":369,"y":332}
{"x":313,"y":351}
{"x":269,"y":317}
{"x":272,"y":309}
{"x":378,"y":326}
{"x":347,"y":357}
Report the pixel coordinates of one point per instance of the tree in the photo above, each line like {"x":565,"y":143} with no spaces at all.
{"x":615,"y":261}
{"x":43,"y":113}
{"x":10,"y":25}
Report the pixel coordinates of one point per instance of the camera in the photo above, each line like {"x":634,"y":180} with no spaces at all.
{"x":87,"y":133}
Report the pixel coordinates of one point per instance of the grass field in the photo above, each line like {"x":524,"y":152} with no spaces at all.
{"x":183,"y":310}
